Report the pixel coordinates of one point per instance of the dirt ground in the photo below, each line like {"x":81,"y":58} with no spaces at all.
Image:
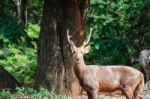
{"x":103,"y":95}
{"x":116,"y":95}
{"x":113,"y":95}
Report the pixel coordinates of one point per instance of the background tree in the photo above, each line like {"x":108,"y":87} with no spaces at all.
{"x":55,"y":70}
{"x":120,"y":30}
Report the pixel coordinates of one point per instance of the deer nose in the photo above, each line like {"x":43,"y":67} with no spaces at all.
{"x":78,"y":59}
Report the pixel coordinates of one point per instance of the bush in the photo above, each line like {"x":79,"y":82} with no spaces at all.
{"x":33,"y":31}
{"x":11,"y":30}
{"x":42,"y":93}
{"x":121,"y":31}
{"x":18,"y":53}
{"x":5,"y":94}
{"x":20,"y":61}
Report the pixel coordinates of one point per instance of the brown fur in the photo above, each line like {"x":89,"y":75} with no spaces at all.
{"x":109,"y":78}
{"x":94,"y":79}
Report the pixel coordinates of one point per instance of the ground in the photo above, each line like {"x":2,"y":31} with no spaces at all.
{"x":103,"y":95}
{"x":116,"y":95}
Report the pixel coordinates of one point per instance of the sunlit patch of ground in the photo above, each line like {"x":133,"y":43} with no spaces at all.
{"x":104,"y":95}
{"x":118,"y":95}
{"x":115,"y":95}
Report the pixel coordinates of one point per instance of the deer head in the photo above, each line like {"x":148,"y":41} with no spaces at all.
{"x":78,"y":52}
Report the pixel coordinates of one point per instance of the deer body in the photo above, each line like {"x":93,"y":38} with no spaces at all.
{"x":107,"y":78}
{"x":94,"y":78}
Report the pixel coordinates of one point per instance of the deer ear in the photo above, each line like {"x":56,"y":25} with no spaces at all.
{"x":86,"y":49}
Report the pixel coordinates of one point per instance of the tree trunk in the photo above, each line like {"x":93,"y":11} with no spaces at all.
{"x":21,"y":6}
{"x":55,"y":69}
{"x":18,"y":6}
{"x":24,"y":12}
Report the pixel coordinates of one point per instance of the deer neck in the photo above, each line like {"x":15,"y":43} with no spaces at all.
{"x":79,"y":68}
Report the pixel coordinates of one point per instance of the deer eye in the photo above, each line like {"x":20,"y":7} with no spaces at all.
{"x":73,"y":52}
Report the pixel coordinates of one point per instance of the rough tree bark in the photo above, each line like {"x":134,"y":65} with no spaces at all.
{"x":55,"y":70}
{"x":24,"y":12}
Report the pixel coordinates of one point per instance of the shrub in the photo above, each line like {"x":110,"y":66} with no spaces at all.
{"x":42,"y":93}
{"x":5,"y":94}
{"x":10,"y":29}
{"x":18,"y":49}
{"x":33,"y":31}
{"x":20,"y":61}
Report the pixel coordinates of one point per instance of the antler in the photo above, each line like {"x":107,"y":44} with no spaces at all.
{"x":68,"y":37}
{"x":86,"y":42}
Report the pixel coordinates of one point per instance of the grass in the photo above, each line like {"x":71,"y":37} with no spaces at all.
{"x":30,"y":93}
{"x":42,"y":93}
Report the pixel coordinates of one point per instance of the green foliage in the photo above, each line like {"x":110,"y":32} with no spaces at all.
{"x":33,"y":31}
{"x":20,"y":61}
{"x":121,"y":31}
{"x":22,"y":91}
{"x":35,"y":10}
{"x":7,"y":8}
{"x":5,"y":94}
{"x":18,"y":43}
{"x":10,"y":29}
{"x":18,"y":51}
{"x":18,"y":48}
{"x":30,"y":93}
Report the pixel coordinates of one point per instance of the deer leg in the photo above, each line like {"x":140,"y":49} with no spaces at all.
{"x":138,"y":89}
{"x":89,"y":95}
{"x":136,"y":93}
{"x":128,"y":93}
{"x":92,"y":94}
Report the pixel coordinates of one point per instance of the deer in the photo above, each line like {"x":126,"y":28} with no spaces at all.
{"x":96,"y":78}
